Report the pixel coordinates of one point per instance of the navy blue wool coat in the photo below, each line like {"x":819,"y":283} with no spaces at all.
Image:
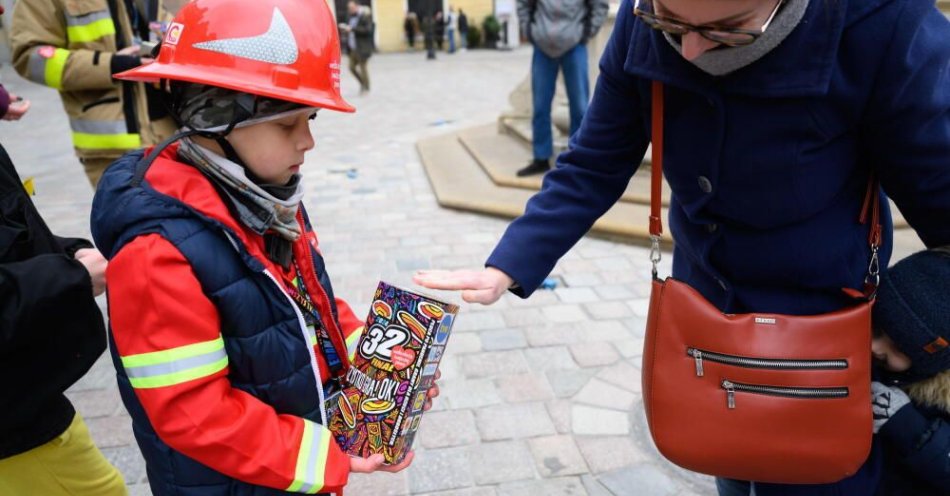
{"x":768,"y":165}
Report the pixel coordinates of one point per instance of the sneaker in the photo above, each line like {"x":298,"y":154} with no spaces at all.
{"x":535,"y":167}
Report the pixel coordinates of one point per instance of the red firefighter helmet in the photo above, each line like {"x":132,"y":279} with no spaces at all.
{"x":283,"y":49}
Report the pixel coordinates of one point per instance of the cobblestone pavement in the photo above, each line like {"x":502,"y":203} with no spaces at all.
{"x":539,"y":396}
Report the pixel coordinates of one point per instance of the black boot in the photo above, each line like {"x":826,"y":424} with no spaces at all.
{"x":535,"y":167}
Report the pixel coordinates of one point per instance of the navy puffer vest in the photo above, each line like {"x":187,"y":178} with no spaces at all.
{"x":268,"y":355}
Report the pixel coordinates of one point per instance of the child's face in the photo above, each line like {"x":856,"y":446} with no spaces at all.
{"x":274,"y":150}
{"x":886,"y":353}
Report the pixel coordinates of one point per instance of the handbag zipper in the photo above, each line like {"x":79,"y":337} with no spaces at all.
{"x":762,"y":363}
{"x":782,"y":391}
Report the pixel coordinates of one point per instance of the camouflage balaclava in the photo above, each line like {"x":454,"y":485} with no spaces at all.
{"x":212,"y":109}
{"x":267,"y":209}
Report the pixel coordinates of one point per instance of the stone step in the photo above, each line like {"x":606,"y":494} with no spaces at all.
{"x":520,"y":128}
{"x":460,"y":182}
{"x":501,"y":155}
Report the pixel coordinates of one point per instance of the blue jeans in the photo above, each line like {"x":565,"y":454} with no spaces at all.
{"x":729,"y":487}
{"x":544,"y":71}
{"x":451,"y":34}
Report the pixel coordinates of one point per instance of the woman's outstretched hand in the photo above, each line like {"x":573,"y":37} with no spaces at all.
{"x":483,"y":286}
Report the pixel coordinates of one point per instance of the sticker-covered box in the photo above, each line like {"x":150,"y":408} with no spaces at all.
{"x":383,"y":394}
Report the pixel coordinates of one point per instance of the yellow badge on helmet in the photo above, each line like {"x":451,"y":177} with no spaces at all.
{"x":28,"y":186}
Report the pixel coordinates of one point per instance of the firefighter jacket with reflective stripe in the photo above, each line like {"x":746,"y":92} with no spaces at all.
{"x":68,"y":45}
{"x":224,"y":384}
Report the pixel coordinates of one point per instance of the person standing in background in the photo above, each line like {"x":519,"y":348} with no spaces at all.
{"x":439,"y":26}
{"x":409,"y":26}
{"x":451,"y":24}
{"x":463,"y":29}
{"x":559,"y":32}
{"x":359,"y":35}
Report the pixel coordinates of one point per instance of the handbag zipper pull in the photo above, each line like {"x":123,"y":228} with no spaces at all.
{"x":730,"y":394}
{"x":698,"y":355}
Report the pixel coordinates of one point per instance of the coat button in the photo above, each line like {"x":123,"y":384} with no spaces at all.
{"x":704,"y":184}
{"x":711,"y":228}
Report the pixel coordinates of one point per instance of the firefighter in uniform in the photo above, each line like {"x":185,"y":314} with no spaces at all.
{"x":75,"y":46}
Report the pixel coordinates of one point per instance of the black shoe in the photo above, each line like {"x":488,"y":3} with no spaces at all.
{"x":535,"y":167}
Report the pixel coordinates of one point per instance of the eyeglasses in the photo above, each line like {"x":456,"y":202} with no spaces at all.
{"x":725,"y":36}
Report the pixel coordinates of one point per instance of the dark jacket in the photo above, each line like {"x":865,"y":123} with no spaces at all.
{"x":463,"y":23}
{"x":51,"y":330}
{"x":768,"y":165}
{"x":917,"y":455}
{"x":364,"y":36}
{"x":917,"y":442}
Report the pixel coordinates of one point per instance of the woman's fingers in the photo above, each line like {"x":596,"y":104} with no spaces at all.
{"x":483,"y":296}
{"x":483,"y":286}
{"x":450,"y":280}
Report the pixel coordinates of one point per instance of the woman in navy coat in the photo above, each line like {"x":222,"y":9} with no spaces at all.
{"x":769,"y":147}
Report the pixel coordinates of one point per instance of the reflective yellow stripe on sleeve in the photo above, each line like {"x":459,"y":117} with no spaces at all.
{"x":103,"y":135}
{"x":106,"y":141}
{"x":311,"y":460}
{"x":352,"y":341}
{"x":46,"y":66}
{"x":175,"y":365}
{"x":89,"y":27}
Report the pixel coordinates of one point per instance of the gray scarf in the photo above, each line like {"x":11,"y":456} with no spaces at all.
{"x":258,"y":208}
{"x":725,"y":60}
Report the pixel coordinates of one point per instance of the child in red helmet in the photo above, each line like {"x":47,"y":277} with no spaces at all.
{"x":226,"y":335}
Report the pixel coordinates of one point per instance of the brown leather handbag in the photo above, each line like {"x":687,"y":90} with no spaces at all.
{"x":762,"y":397}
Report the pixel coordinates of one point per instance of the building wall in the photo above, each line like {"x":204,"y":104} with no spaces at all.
{"x":390,"y":14}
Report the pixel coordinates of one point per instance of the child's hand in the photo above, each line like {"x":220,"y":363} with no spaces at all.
{"x":478,"y":286}
{"x":375,"y":464}
{"x":432,"y":392}
{"x":96,"y":264}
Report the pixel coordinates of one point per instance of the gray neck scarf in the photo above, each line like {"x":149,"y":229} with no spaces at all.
{"x":725,"y":60}
{"x":257,"y":208}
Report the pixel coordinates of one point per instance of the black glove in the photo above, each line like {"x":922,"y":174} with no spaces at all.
{"x":121,"y":63}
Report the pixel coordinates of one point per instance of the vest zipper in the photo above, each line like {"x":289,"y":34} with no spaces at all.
{"x":762,"y":363}
{"x":302,"y":324}
{"x":782,"y":391}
